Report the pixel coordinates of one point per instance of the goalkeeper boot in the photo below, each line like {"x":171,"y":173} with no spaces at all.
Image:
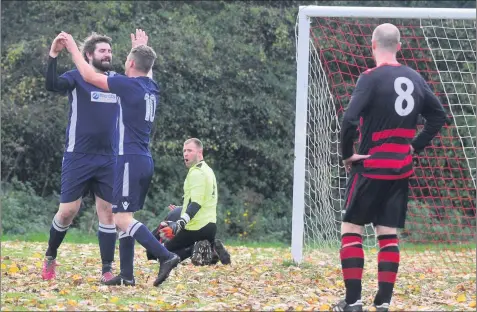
{"x":166,"y":268}
{"x":202,"y":253}
{"x":49,"y":269}
{"x":119,"y":281}
{"x":223,"y":254}
{"x":215,"y":257}
{"x":343,"y":306}
{"x":382,"y":308}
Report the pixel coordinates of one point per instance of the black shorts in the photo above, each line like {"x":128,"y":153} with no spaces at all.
{"x":186,"y":238}
{"x":380,"y":202}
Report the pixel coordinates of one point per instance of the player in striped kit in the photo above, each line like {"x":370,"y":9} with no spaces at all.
{"x":385,"y":105}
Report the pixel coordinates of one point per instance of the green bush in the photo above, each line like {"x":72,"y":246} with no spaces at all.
{"x":25,"y":212}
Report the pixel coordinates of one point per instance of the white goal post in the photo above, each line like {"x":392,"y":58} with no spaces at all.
{"x":304,"y":48}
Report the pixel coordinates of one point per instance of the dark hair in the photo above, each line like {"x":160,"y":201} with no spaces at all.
{"x":143,"y":57}
{"x":89,"y":44}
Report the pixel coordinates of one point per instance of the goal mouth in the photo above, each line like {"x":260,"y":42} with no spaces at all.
{"x":333,"y":49}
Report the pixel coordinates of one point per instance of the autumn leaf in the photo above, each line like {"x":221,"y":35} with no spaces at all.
{"x":37,"y":255}
{"x":259,"y":279}
{"x":461,"y":298}
{"x":114,"y":299}
{"x":13,"y":269}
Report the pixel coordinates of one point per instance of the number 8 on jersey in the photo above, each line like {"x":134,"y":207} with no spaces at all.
{"x":403,"y":96}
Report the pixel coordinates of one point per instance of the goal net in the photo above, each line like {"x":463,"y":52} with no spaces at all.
{"x":333,"y":49}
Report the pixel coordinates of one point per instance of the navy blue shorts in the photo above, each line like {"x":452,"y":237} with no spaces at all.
{"x":131,"y":183}
{"x":84,"y":173}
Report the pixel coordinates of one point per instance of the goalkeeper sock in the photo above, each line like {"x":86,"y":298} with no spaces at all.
{"x":57,"y":234}
{"x":388,"y":264}
{"x":352,"y":263}
{"x":126,"y":256}
{"x":144,"y":237}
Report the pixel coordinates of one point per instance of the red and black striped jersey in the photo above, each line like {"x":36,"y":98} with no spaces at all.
{"x":385,"y":106}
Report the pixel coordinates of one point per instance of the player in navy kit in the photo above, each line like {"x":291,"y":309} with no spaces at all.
{"x":90,"y":151}
{"x":385,"y":105}
{"x":138,"y":95}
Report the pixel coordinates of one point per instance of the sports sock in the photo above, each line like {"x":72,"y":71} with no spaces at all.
{"x":144,"y":237}
{"x":57,"y":234}
{"x":352,"y":263}
{"x":388,"y":265}
{"x":107,"y":244}
{"x":126,"y":255}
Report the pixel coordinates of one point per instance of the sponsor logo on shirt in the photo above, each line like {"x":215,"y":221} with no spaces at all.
{"x":103,"y":97}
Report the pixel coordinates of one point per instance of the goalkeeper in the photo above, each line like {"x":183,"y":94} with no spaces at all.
{"x":193,"y":234}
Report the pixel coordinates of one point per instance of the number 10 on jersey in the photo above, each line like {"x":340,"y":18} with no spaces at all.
{"x":150,"y":107}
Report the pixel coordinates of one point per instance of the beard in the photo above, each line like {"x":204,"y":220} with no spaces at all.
{"x":101,"y":65}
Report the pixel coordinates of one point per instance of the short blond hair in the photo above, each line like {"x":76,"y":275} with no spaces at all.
{"x":196,"y":141}
{"x":143,"y":57}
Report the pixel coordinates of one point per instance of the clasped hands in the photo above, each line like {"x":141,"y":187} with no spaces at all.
{"x":65,"y":40}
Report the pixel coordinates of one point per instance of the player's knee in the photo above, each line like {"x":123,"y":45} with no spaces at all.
{"x":67,"y":212}
{"x":123,"y":220}
{"x":385,"y":230}
{"x":347,"y":227}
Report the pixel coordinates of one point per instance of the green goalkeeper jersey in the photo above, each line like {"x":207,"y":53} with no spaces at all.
{"x":200,"y":186}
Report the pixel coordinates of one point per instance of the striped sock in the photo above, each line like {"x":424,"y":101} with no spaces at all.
{"x":352,"y":263}
{"x":388,"y":264}
{"x":107,"y":244}
{"x":57,"y":234}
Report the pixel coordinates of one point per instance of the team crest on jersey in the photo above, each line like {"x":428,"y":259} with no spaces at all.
{"x":103,"y":97}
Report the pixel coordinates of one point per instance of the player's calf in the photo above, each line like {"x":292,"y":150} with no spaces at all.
{"x":106,"y":237}
{"x":352,"y":263}
{"x":388,"y":264}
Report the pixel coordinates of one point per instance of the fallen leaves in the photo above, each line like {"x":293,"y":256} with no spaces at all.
{"x":259,"y":279}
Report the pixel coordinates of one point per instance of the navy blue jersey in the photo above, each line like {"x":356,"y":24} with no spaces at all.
{"x":385,"y":105}
{"x":93,"y":117}
{"x":139,"y":98}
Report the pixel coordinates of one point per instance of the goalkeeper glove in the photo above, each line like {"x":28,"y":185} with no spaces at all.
{"x":176,"y":227}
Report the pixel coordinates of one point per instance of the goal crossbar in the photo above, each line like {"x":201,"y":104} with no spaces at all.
{"x":303,"y":55}
{"x":387,"y":12}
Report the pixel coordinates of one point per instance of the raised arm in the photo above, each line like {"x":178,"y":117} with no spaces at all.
{"x":140,"y":38}
{"x":52,"y":81}
{"x":86,"y":71}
